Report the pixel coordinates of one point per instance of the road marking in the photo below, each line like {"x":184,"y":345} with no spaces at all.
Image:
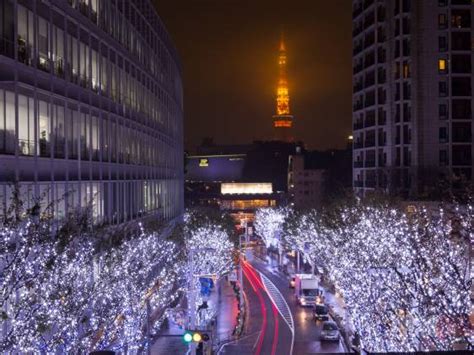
{"x":248,"y":274}
{"x":281,"y":305}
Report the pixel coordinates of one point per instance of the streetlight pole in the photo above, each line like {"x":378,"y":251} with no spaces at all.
{"x":241,"y":281}
{"x":148,"y":326}
{"x":192,"y":301}
{"x":297,"y":261}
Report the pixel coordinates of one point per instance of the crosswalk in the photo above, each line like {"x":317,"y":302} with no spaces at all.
{"x":280,"y":303}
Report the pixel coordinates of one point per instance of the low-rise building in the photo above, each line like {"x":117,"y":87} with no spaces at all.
{"x":305,"y":185}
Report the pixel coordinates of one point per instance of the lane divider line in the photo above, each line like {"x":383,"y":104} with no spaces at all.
{"x":272,"y":292}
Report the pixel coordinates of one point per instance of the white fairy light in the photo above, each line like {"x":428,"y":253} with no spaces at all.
{"x":404,"y":276}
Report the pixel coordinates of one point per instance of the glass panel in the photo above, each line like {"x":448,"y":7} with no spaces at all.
{"x":95,"y":71}
{"x":95,"y":138}
{"x":44,"y":130}
{"x":43,"y":38}
{"x":25,"y":135}
{"x":2,"y":122}
{"x":10,"y":139}
{"x":59,"y":53}
{"x":60,"y":141}
{"x":22,"y":34}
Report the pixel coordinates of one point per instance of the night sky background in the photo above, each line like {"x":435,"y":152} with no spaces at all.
{"x":229,"y":52}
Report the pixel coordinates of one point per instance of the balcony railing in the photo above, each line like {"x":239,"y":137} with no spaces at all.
{"x":26,"y":147}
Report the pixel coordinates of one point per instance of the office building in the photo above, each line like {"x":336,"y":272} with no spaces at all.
{"x":91,"y":108}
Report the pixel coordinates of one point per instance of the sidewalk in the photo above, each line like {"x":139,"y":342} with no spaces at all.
{"x":227,"y":312}
{"x":170,"y":341}
{"x":222,"y":302}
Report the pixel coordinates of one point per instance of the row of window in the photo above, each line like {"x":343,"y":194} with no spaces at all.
{"x":460,"y":156}
{"x":130,"y":27}
{"x":61,"y":130}
{"x":81,"y":60}
{"x":111,"y":201}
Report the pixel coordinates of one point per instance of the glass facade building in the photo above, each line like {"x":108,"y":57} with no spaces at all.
{"x":91,"y":108}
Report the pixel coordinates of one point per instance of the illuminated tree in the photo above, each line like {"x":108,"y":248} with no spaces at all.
{"x":404,"y":277}
{"x":269,"y":223}
{"x":59,"y":296}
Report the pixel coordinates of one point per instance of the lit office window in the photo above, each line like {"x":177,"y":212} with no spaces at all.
{"x":442,"y":66}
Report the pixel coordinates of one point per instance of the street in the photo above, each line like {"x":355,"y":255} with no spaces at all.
{"x":307,"y":331}
{"x":267,"y":331}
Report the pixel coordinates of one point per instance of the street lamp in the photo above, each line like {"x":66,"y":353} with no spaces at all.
{"x":241,"y":282}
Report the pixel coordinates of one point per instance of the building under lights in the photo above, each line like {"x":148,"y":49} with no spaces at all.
{"x":219,"y":181}
{"x":412,"y":95}
{"x":90,"y":108}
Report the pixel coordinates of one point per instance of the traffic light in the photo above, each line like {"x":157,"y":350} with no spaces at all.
{"x":195,"y":336}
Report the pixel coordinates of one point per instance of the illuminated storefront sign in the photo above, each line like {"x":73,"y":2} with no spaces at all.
{"x":203,"y":162}
{"x":243,"y":188}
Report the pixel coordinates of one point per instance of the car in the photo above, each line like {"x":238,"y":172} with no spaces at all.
{"x":320,"y":312}
{"x":292,"y":281}
{"x":330,"y":331}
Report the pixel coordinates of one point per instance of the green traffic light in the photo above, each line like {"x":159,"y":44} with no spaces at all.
{"x":188,"y":337}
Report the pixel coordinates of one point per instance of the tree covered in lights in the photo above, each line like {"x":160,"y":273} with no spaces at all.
{"x":209,"y":250}
{"x":269,"y":223}
{"x":63,"y":291}
{"x":404,"y":277}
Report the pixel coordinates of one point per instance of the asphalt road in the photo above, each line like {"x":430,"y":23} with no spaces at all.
{"x":267,"y":332}
{"x":307,"y":331}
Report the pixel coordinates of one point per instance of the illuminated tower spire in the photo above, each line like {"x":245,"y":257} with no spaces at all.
{"x":282,"y":120}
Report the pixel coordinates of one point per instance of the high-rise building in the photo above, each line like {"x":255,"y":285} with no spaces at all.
{"x":283,"y":120}
{"x":412,"y":94}
{"x":91,"y":110}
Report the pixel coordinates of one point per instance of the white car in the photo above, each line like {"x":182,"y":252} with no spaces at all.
{"x":330,"y":331}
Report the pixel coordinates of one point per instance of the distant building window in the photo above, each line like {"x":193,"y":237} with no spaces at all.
{"x":406,"y":70}
{"x":442,"y":21}
{"x":443,"y":111}
{"x":443,"y":89}
{"x":442,"y":66}
{"x":442,"y":44}
{"x":443,"y":157}
{"x":443,"y":134}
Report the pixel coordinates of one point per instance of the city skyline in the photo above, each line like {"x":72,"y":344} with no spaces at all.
{"x":237,"y":60}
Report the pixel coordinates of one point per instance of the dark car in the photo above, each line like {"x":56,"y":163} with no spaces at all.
{"x":320,"y":312}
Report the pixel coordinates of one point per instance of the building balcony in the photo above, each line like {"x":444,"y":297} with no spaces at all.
{"x":370,"y":183}
{"x":369,"y":143}
{"x":358,"y":125}
{"x":370,"y":163}
{"x":369,"y":122}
